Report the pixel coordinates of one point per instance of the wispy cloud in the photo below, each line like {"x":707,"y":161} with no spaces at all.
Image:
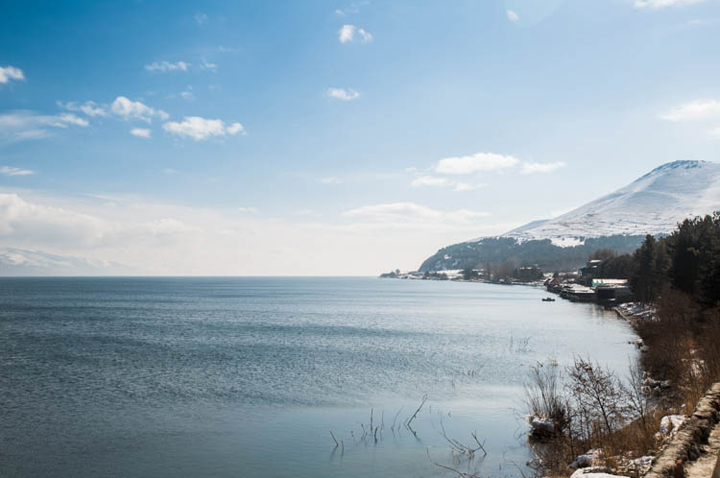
{"x":660,"y":4}
{"x":347,"y":34}
{"x":201,"y":18}
{"x":141,"y":132}
{"x":431,"y":181}
{"x":208,"y":65}
{"x":531,"y":168}
{"x":128,"y":109}
{"x":344,"y":94}
{"x":715,"y":132}
{"x":90,"y":108}
{"x":462,"y":186}
{"x":412,"y":213}
{"x":166,"y":66}
{"x":329,"y":180}
{"x":702,"y":109}
{"x":10,"y":171}
{"x":8,"y":73}
{"x":28,"y":125}
{"x":478,"y":162}
{"x":349,"y":10}
{"x":512,"y":16}
{"x":440,"y":182}
{"x":200,"y":129}
{"x":247,"y":210}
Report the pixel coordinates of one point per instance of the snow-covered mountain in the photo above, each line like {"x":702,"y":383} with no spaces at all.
{"x":653,"y":204}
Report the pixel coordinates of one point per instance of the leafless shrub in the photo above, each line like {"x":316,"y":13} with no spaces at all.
{"x":597,"y":397}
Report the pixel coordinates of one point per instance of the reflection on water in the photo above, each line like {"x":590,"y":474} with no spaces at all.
{"x":248,"y":377}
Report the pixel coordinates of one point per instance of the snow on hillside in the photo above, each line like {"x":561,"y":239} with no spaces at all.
{"x":653,"y":204}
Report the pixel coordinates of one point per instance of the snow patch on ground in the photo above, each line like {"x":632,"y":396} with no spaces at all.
{"x":567,"y":241}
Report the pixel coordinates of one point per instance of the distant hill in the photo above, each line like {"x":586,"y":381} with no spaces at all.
{"x":652,"y":204}
{"x":23,"y":262}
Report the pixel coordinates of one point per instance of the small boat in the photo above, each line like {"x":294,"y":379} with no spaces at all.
{"x":548,"y":299}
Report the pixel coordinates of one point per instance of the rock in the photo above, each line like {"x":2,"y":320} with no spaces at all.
{"x":593,"y":472}
{"x":669,"y":424}
{"x":588,"y":459}
{"x":541,"y":427}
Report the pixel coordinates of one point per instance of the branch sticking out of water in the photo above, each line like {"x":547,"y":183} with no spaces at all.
{"x":439,"y":465}
{"x":409,"y":421}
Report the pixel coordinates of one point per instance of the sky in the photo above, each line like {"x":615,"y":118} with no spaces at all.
{"x":329,"y":137}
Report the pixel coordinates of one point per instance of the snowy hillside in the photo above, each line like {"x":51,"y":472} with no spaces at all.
{"x":653,"y":204}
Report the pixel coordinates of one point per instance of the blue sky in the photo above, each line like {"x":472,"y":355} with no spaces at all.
{"x":334,"y":138}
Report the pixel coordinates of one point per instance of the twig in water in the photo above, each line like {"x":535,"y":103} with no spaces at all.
{"x":334,"y":439}
{"x":460,"y":473}
{"x":458,"y":447}
{"x":407,"y":424}
{"x":481,"y":445}
{"x":392,"y":428}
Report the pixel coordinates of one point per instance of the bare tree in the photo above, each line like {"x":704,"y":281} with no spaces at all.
{"x":597,"y":393}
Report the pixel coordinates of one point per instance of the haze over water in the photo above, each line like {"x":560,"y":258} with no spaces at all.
{"x":246,"y":377}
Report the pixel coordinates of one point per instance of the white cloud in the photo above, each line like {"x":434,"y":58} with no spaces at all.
{"x":247,"y":210}
{"x":165,"y":66}
{"x":344,"y":94}
{"x":90,"y":108}
{"x":461,"y":186}
{"x":129,"y":109}
{"x":715,"y":132}
{"x":365,"y":36}
{"x":10,"y":171}
{"x":235,"y":128}
{"x":201,"y":18}
{"x":412,"y":213}
{"x":475,"y":163}
{"x":659,"y":4}
{"x":346,"y":34}
{"x":512,"y":16}
{"x":353,"y":8}
{"x":141,"y":132}
{"x":8,"y":73}
{"x":697,"y":22}
{"x":694,"y":110}
{"x":200,"y":129}
{"x":69,"y":118}
{"x":28,"y":125}
{"x":431,"y":181}
{"x":530,"y":168}
{"x":435,"y":181}
{"x":329,"y":180}
{"x":169,"y":239}
{"x":207,"y":65}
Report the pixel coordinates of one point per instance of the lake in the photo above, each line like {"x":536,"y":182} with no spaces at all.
{"x":247,"y":377}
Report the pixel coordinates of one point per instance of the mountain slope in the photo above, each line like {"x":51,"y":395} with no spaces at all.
{"x":653,"y":204}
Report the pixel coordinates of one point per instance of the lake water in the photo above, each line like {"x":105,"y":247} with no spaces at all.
{"x":246,"y":377}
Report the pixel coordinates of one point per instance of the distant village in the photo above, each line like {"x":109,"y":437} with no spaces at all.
{"x":583,"y":285}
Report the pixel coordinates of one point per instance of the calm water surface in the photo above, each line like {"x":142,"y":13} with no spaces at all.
{"x":246,"y":377}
